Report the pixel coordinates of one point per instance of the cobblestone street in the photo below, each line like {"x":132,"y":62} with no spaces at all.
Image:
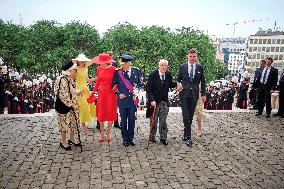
{"x":237,"y":150}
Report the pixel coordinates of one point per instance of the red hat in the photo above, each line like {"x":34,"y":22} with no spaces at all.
{"x":103,"y":58}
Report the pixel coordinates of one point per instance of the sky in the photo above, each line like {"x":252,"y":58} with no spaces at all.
{"x":211,"y":16}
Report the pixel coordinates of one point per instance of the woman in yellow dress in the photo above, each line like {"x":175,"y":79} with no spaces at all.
{"x":86,"y":110}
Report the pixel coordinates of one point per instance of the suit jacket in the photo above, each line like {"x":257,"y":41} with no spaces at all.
{"x":257,"y":74}
{"x":135,"y":79}
{"x":156,"y":90}
{"x":271,"y":80}
{"x":183,"y":78}
{"x":281,"y":81}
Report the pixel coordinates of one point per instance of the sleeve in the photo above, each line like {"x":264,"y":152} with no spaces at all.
{"x":203,"y":85}
{"x":98,"y":81}
{"x":275,"y":80}
{"x":172,"y":84}
{"x":114,"y":83}
{"x":64,"y":93}
{"x":179,"y":75}
{"x":149,"y":89}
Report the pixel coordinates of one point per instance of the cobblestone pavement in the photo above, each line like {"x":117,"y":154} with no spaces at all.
{"x":237,"y":150}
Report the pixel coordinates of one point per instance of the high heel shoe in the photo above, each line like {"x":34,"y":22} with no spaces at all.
{"x":68,"y":148}
{"x":109,"y":140}
{"x":75,"y":144}
{"x":101,"y":140}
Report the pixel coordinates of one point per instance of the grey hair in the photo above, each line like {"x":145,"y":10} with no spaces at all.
{"x":163,"y":61}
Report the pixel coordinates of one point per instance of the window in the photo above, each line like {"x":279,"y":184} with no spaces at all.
{"x":251,"y":41}
{"x":273,"y":41}
{"x":255,"y":49}
{"x":281,"y":57}
{"x":258,"y":56}
{"x":281,"y":49}
{"x":282,"y":41}
{"x":260,"y":41}
{"x":263,"y":49}
{"x":278,"y":41}
{"x":268,"y":41}
{"x":267,"y":49}
{"x":264,"y":41}
{"x":259,"y":49}
{"x":255,"y":41}
{"x":262,"y":56}
{"x":272,"y":49}
{"x":276,"y":57}
{"x":277,"y":49}
{"x":250,"y":49}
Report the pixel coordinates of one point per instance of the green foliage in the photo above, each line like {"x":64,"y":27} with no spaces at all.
{"x":45,"y":45}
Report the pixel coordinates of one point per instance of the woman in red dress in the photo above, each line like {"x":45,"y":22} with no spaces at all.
{"x":107,"y":99}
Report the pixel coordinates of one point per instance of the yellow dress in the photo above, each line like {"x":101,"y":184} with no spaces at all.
{"x":86,"y":110}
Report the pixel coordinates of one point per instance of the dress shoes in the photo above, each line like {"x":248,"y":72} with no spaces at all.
{"x":75,"y":144}
{"x":131,"y":143}
{"x":125,"y":143}
{"x":68,"y":148}
{"x":116,"y":125}
{"x":164,"y":141}
{"x":188,"y":143}
{"x":258,"y":114}
{"x":277,"y":114}
{"x":267,"y":116}
{"x":153,"y":140}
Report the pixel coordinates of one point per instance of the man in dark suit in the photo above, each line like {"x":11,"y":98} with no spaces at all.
{"x":255,"y":84}
{"x":190,"y":75}
{"x":267,"y":82}
{"x":157,"y":88}
{"x":281,"y":96}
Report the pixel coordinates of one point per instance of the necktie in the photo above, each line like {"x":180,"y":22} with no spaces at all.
{"x":264,"y":76}
{"x":163,"y":78}
{"x":191,"y":73}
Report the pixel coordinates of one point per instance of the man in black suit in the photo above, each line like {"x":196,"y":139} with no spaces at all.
{"x":190,"y":75}
{"x":281,"y":96}
{"x":157,"y":88}
{"x":267,"y":82}
{"x":255,"y":83}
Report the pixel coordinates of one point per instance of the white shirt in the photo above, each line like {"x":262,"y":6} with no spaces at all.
{"x":129,"y":72}
{"x":161,"y":75}
{"x":262,"y":74}
{"x":189,"y":69}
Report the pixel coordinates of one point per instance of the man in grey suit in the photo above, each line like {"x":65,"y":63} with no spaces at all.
{"x":189,"y":77}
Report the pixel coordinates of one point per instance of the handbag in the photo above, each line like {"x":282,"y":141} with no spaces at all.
{"x":60,"y":107}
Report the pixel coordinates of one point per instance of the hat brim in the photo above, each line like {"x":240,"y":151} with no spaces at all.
{"x":75,"y":60}
{"x":98,"y":61}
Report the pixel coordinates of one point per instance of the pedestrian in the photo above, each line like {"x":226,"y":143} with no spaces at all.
{"x":157,"y":88}
{"x":189,"y":77}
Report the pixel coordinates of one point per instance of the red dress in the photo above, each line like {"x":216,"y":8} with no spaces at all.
{"x":107,"y":99}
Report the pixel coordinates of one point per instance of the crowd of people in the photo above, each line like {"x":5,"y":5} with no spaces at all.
{"x":23,"y":96}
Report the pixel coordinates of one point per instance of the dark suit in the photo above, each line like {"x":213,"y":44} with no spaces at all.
{"x":157,"y":90}
{"x":281,"y":94}
{"x":190,"y":94}
{"x":264,"y":95}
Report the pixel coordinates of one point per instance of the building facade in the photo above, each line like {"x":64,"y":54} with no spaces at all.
{"x":263,"y":45}
{"x":236,"y":63}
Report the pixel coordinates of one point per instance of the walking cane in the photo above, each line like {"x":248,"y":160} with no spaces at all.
{"x":79,"y":139}
{"x":151,"y":125}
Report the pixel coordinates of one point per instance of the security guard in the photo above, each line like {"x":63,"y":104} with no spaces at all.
{"x":127,"y":79}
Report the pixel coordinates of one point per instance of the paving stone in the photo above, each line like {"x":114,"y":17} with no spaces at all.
{"x":237,"y":150}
